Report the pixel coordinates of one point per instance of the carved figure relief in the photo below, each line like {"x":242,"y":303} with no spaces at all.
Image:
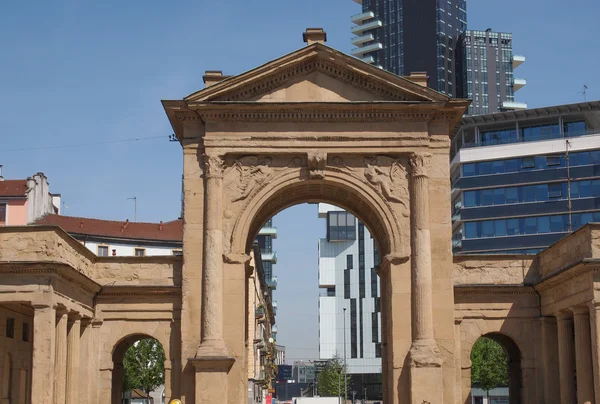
{"x":389,"y":178}
{"x":252,"y":176}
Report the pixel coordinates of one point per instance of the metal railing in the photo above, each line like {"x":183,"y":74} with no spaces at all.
{"x":537,"y":138}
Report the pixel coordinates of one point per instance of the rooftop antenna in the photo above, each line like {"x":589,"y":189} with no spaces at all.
{"x":584,"y":92}
{"x":134,"y":207}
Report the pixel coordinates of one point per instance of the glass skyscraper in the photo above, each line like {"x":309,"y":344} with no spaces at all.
{"x":485,"y":67}
{"x":404,"y":36}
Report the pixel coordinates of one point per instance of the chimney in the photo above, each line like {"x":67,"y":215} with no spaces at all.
{"x":314,"y":35}
{"x":81,"y":224}
{"x":213,"y":77}
{"x":1,"y":177}
{"x":160,"y":226}
{"x":421,"y":78}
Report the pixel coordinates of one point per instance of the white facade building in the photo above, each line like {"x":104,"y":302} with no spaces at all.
{"x":348,"y":280}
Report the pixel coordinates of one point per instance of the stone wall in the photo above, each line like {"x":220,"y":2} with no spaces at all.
{"x":494,"y":270}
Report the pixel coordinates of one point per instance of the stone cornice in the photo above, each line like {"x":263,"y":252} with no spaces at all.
{"x":138,"y":291}
{"x":51,"y":268}
{"x":574,"y":270}
{"x":315,"y":112}
{"x":487,"y":290}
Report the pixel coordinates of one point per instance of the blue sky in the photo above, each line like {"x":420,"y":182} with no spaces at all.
{"x":82,"y":72}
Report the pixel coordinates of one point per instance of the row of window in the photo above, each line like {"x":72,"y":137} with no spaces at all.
{"x":531,"y":133}
{"x":527,"y":225}
{"x":530,"y":163}
{"x":138,"y":251}
{"x":10,"y":329}
{"x":531,"y":193}
{"x":341,"y":226}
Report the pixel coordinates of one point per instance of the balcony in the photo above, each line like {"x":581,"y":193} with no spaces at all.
{"x":359,"y":29}
{"x":359,"y":18}
{"x":272,"y":283}
{"x":360,"y":51}
{"x":519,"y":84}
{"x":368,"y":59}
{"x":362,"y":39}
{"x":274,"y":307}
{"x":268,"y":231}
{"x":269,"y":256}
{"x":517,"y":60}
{"x":512,"y":105}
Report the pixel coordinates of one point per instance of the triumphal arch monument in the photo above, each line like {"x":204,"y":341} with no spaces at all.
{"x":313,"y":126}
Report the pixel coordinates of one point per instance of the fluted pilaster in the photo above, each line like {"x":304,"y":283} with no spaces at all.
{"x":566,"y":358}
{"x":583,"y":355}
{"x":60,"y":362}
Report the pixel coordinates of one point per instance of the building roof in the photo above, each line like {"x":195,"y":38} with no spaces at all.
{"x":169,"y":231}
{"x":13,"y":188}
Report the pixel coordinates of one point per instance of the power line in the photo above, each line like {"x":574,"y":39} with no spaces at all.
{"x":86,"y":144}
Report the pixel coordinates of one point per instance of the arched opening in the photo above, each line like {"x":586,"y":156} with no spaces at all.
{"x":348,"y":259}
{"x":496,"y":370}
{"x":138,"y":375}
{"x":7,"y":379}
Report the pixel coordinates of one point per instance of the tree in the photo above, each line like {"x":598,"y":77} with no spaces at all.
{"x":489,"y":365}
{"x":330,"y":381}
{"x":144,"y":365}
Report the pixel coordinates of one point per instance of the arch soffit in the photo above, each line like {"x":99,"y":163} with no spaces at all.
{"x":120,"y":343}
{"x":512,"y":342}
{"x":349,"y":193}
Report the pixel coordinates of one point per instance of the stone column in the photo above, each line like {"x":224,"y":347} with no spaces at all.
{"x":425,"y":357}
{"x":212,"y":343}
{"x":73,"y":357}
{"x":566,"y":358}
{"x":550,"y":360}
{"x":42,"y":366}
{"x":60,"y":363}
{"x":595,"y":334}
{"x":583,"y":356}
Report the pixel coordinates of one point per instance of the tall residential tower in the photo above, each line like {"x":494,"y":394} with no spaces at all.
{"x":404,"y":36}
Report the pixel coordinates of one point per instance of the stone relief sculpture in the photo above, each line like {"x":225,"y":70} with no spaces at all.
{"x":316,"y":165}
{"x":249,"y":175}
{"x":390,"y":182}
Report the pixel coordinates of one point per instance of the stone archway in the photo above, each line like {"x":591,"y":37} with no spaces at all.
{"x":118,"y":370}
{"x":317,"y":125}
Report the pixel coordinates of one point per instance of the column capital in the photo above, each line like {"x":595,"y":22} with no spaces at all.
{"x":564,"y":315}
{"x":42,"y":306}
{"x":420,"y":164}
{"x":75,"y":316}
{"x":580,"y":310}
{"x":61,"y":310}
{"x":213,"y":166}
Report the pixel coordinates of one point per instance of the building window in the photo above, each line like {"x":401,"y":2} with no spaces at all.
{"x":2,"y":214}
{"x":102,"y":251}
{"x":25,"y":332}
{"x":140,"y":252}
{"x":374,"y":327}
{"x":353,"y":330}
{"x":178,"y":252}
{"x":378,"y":350}
{"x":554,"y":190}
{"x":341,"y":226}
{"x":10,"y":327}
{"x":347,"y":284}
{"x":349,"y":261}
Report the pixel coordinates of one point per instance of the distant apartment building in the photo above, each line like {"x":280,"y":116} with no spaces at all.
{"x":262,"y":352}
{"x":406,"y":36}
{"x":485,"y":72}
{"x":522,"y":180}
{"x":348,"y":259}
{"x":122,"y":238}
{"x":23,"y":201}
{"x":265,"y":239}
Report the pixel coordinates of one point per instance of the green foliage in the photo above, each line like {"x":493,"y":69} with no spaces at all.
{"x":144,"y":365}
{"x":489,"y":365}
{"x":330,"y":381}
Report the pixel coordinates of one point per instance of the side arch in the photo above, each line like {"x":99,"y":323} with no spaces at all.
{"x":338,"y":188}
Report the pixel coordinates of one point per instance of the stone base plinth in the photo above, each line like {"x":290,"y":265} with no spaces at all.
{"x":211,"y":378}
{"x":426,"y":385}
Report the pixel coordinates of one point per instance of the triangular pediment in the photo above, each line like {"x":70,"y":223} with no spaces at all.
{"x":316,"y":73}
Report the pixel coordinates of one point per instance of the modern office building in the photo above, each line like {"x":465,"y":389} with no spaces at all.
{"x":522,"y":180}
{"x":404,"y":36}
{"x":265,"y":239}
{"x":485,"y":65}
{"x":348,"y":259}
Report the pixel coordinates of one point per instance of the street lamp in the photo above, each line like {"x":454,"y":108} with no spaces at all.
{"x":345,"y":382}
